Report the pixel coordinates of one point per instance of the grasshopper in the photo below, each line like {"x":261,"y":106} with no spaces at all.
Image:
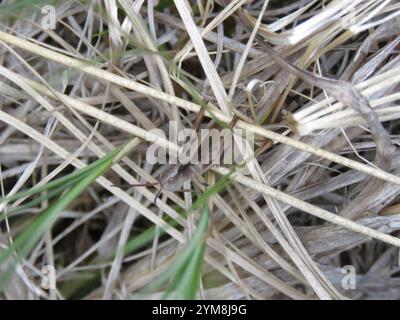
{"x":176,"y":175}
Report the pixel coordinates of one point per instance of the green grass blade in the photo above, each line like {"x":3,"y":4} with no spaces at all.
{"x":77,"y":174}
{"x":21,"y":5}
{"x":47,"y":196}
{"x":31,"y":235}
{"x":184,"y":272}
{"x":186,"y":279}
{"x":189,"y":281}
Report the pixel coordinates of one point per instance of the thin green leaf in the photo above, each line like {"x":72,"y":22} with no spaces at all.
{"x":186,"y":280}
{"x":77,"y":174}
{"x":31,"y":235}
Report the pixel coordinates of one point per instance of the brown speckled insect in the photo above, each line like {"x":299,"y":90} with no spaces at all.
{"x":175,"y":176}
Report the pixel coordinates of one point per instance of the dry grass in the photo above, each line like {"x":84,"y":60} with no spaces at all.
{"x":320,"y":191}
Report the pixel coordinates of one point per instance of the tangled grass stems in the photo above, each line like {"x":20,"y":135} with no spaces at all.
{"x":320,"y":190}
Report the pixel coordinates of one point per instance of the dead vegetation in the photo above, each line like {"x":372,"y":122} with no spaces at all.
{"x":316,"y":82}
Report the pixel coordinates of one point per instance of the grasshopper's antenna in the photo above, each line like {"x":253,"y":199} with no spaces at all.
{"x":147,"y":184}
